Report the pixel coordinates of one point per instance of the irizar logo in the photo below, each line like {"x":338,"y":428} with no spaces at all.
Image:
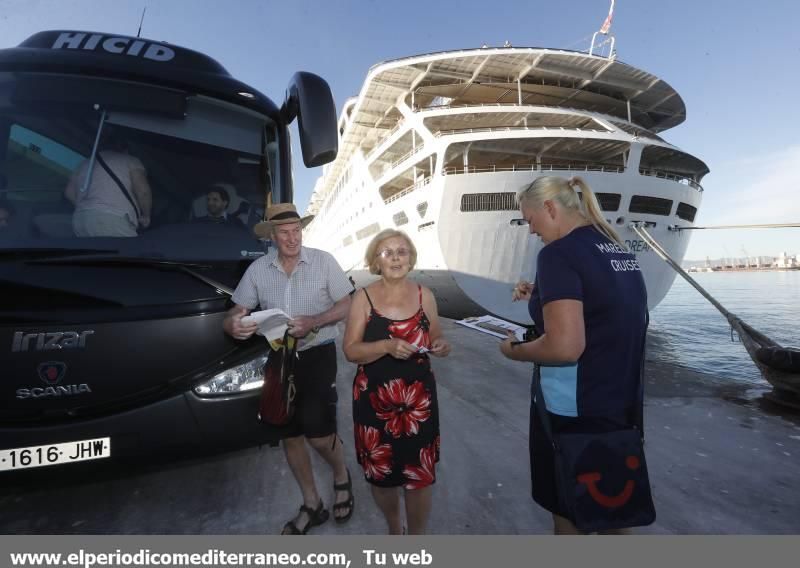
{"x":112,"y":44}
{"x":49,"y":341}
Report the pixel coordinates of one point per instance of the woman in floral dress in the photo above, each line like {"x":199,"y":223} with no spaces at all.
{"x":392,"y":328}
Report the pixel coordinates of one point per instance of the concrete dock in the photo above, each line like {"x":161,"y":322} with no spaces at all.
{"x":722,"y":460}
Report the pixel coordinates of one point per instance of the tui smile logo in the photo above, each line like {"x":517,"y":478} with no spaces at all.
{"x":612,"y":501}
{"x":52,"y":372}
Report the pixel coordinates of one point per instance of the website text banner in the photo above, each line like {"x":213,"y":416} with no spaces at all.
{"x":382,"y":551}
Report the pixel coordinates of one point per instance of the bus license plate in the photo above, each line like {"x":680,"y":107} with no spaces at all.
{"x":54,"y":454}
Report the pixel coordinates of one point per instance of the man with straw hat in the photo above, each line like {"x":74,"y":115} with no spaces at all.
{"x":310,"y":286}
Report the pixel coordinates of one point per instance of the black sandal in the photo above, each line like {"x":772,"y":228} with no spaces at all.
{"x":349,"y":504}
{"x":315,"y":517}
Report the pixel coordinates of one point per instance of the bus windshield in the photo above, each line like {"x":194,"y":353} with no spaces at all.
{"x":181,"y":186}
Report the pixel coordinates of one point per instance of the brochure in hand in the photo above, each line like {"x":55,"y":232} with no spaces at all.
{"x":272,"y":323}
{"x":493,"y":326}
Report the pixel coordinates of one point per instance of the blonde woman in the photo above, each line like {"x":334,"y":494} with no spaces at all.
{"x":590,"y":305}
{"x":392,"y":328}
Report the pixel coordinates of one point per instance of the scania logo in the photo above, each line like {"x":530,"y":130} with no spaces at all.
{"x":48,"y":341}
{"x":113,"y":44}
{"x":51,"y":372}
{"x":53,"y":392}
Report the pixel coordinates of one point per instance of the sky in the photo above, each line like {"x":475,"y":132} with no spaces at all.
{"x":734,"y":65}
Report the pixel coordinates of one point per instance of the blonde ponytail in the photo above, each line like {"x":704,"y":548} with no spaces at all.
{"x":591,"y":209}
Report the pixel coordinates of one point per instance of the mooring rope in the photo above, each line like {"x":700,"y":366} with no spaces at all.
{"x":639,"y":229}
{"x":785,"y":382}
{"x":762,"y":226}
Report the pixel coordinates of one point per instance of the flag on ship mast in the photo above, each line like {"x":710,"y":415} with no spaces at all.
{"x":607,"y":24}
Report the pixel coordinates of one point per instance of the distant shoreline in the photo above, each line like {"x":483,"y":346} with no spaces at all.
{"x":743,"y":269}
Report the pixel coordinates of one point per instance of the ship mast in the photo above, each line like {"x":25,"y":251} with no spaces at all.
{"x":605,"y":30}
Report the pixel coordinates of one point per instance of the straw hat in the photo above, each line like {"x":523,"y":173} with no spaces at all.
{"x":280,"y":214}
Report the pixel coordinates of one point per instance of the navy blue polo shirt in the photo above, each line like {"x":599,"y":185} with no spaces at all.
{"x":585,"y":265}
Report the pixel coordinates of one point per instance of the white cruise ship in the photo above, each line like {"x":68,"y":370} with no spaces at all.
{"x":437,"y":145}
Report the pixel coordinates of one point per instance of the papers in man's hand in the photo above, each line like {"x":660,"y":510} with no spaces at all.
{"x":493,"y":326}
{"x":272,"y":323}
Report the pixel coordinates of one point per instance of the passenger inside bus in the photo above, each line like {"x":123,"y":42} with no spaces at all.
{"x":221,"y":205}
{"x":116,"y":202}
{"x":39,"y":156}
{"x":6,"y":213}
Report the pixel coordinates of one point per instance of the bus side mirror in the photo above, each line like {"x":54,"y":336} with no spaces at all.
{"x":309,"y":98}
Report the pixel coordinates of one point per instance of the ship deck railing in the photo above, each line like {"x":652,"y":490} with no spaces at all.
{"x":404,"y":157}
{"x":586,"y":112}
{"x":529,"y":108}
{"x":608,"y":168}
{"x":409,"y":189}
{"x":578,"y":110}
{"x":671,"y":176}
{"x":440,"y":133}
{"x":384,"y":137}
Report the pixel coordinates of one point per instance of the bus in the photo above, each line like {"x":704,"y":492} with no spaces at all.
{"x":111,"y":340}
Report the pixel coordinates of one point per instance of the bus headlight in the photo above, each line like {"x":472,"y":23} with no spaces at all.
{"x":241,"y":378}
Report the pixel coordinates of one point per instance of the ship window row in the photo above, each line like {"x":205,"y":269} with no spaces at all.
{"x":608,"y":201}
{"x":337,"y":190}
{"x":686,"y":212}
{"x":367,"y":231}
{"x":400,"y":218}
{"x":346,"y":221}
{"x":650,"y":205}
{"x":507,"y":201}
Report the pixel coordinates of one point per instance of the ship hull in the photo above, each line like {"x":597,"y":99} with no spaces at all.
{"x":471,"y":259}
